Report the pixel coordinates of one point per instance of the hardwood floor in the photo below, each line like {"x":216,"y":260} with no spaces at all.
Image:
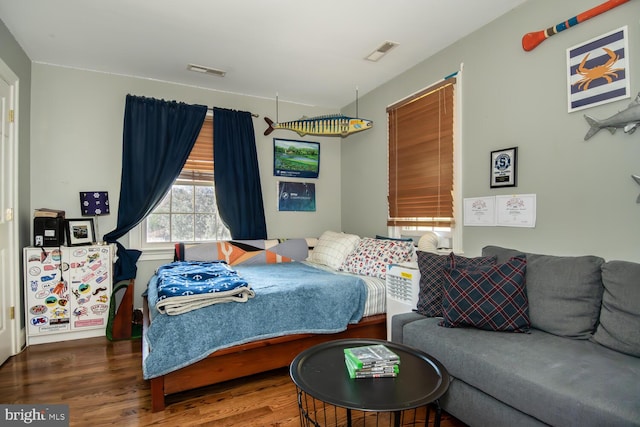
{"x":102,"y":383}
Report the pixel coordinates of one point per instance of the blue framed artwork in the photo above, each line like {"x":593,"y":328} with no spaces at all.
{"x":296,"y":159}
{"x":296,"y":196}
{"x":598,"y":70}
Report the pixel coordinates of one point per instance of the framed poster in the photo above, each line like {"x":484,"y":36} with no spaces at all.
{"x":79,"y":231}
{"x":598,"y":70}
{"x":296,"y":196}
{"x":299,"y":159}
{"x":504,"y":165}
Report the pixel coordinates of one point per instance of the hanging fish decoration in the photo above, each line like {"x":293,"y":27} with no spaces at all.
{"x":331,"y":125}
{"x":627,"y":119}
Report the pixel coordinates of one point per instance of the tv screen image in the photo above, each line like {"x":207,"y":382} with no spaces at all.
{"x":297,"y":159}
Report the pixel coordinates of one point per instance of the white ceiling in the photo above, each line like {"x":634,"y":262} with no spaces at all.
{"x":309,"y":52}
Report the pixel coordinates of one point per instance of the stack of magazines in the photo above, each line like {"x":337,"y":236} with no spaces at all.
{"x":371,"y":361}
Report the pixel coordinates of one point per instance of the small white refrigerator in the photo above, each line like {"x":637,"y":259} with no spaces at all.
{"x":67,"y":292}
{"x":403,"y":289}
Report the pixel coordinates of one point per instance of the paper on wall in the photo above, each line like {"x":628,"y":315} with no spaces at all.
{"x":518,"y":210}
{"x":480,"y":211}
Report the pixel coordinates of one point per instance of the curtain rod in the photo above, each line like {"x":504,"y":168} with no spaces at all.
{"x":252,"y":114}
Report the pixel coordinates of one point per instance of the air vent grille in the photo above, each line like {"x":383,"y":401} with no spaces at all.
{"x":381,"y":51}
{"x":206,"y":70}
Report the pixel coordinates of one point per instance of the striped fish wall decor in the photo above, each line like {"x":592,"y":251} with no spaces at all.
{"x":331,"y":125}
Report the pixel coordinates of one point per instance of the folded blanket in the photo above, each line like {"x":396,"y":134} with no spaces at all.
{"x":187,"y":285}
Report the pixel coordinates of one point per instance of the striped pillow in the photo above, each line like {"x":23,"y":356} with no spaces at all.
{"x":491,"y":298}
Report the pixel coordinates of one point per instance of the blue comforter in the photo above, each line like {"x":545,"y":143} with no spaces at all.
{"x":290,"y":298}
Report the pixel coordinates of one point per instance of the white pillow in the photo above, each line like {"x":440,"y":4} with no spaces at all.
{"x":332,"y":248}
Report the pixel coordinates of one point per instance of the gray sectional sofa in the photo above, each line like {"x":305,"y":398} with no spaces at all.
{"x":579,"y":364}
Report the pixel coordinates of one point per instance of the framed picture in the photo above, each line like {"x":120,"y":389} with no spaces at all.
{"x":504,"y":167}
{"x":80,"y":231}
{"x":298,"y":159}
{"x":598,"y":70}
{"x":296,"y":196}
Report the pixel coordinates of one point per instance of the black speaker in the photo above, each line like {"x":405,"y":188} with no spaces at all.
{"x":48,"y":231}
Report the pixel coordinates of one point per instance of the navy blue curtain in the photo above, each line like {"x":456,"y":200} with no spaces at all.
{"x":236,"y":174}
{"x":157,"y":138}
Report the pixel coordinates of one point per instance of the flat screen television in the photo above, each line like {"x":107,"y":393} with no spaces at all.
{"x":297,"y":159}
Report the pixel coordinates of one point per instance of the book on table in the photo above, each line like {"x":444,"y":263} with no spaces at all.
{"x":390,"y":370}
{"x":371,"y":361}
{"x":371,"y":354}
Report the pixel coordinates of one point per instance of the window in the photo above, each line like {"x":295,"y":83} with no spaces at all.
{"x":421,"y":170}
{"x":188,"y":213}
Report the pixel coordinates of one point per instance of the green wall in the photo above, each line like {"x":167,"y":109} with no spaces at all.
{"x":586,"y":199}
{"x":76,"y":144}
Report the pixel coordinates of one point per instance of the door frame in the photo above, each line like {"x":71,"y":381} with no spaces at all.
{"x":18,"y":338}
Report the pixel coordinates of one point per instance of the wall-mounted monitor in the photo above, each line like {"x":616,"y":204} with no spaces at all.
{"x":297,"y":159}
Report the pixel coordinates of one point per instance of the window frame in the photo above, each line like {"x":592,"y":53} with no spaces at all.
{"x":195,"y":168}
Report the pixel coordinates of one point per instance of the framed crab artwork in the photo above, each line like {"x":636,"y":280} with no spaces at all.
{"x":598,"y":71}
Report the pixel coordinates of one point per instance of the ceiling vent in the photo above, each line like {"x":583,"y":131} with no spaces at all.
{"x":206,"y":70}
{"x":381,"y":51}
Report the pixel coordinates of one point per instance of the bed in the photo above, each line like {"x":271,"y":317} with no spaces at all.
{"x":242,"y":338}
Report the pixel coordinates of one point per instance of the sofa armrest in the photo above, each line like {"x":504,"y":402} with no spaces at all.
{"x":397,"y":324}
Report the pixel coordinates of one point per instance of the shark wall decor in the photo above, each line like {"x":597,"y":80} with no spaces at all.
{"x":627,"y":119}
{"x":637,"y":179}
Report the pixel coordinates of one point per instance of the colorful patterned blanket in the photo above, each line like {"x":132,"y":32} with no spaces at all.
{"x":187,"y":285}
{"x":247,"y":252}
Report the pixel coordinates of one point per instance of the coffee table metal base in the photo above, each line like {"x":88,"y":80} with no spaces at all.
{"x":314,"y":412}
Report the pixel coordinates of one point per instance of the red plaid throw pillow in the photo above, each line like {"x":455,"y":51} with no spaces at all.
{"x":492,"y":298}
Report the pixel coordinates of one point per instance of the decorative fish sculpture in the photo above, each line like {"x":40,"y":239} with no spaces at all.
{"x":332,"y":125}
{"x":636,"y":178}
{"x":627,"y":119}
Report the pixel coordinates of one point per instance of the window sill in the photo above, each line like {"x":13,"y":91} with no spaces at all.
{"x":161,"y":252}
{"x":156,"y":254}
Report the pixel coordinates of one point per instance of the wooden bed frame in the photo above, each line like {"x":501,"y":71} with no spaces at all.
{"x":248,"y":359}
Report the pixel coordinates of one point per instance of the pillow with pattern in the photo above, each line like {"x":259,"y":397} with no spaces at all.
{"x":372,"y":257}
{"x":491,"y":298}
{"x":332,"y":248}
{"x":431,"y":278}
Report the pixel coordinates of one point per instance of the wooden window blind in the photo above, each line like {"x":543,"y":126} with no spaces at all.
{"x":199,"y":165}
{"x":421,"y":158}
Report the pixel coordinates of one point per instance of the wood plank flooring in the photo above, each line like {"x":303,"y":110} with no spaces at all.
{"x":102,"y":383}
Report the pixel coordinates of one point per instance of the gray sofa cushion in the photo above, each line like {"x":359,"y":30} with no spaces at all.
{"x":619,"y":326}
{"x":564,"y":293}
{"x":465,"y":403}
{"x":559,"y":381}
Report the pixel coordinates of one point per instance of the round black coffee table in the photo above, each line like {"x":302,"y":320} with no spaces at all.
{"x":324,"y":386}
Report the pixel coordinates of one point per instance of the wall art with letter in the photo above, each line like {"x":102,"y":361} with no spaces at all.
{"x":504,"y":165}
